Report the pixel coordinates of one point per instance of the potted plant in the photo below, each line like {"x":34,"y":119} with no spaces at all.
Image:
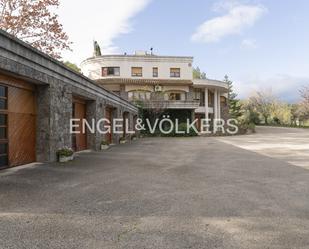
{"x":133,"y":137}
{"x":65,"y":154}
{"x":122,"y":140}
{"x":104,"y":145}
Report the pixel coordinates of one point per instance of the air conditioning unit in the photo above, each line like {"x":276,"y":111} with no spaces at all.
{"x":158,"y":88}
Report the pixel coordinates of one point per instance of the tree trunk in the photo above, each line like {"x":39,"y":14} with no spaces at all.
{"x":265,"y":119}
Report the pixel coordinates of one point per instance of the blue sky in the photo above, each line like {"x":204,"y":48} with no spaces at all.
{"x":259,"y":44}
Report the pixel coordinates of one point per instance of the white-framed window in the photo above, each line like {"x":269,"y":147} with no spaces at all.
{"x":175,"y":96}
{"x":139,"y":95}
{"x":137,"y":71}
{"x":110,"y":71}
{"x":197,"y":94}
{"x":155,"y":72}
{"x":175,"y":72}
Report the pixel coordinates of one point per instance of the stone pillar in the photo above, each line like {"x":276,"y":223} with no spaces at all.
{"x":118,"y":114}
{"x":216,"y":104}
{"x":131,"y":115}
{"x":53,"y":120}
{"x":219,"y":105}
{"x":115,"y":137}
{"x":43,"y":124}
{"x":206,"y":103}
{"x":95,"y":111}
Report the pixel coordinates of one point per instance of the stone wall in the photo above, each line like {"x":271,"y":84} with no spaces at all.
{"x":56,"y":85}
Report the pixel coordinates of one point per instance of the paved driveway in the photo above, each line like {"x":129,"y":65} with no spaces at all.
{"x":164,"y":193}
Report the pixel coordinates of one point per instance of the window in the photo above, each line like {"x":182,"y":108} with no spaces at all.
{"x":139,"y":95}
{"x":197,"y":94}
{"x":110,"y":71}
{"x":223,"y":101}
{"x":137,"y":71}
{"x":155,"y":72}
{"x":174,"y":96}
{"x":175,"y":72}
{"x":211,"y":97}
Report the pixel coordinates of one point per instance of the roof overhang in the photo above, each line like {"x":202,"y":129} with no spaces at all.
{"x":144,"y":81}
{"x":212,"y":84}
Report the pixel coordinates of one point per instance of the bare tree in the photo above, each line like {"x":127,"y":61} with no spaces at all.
{"x":156,"y":105}
{"x":33,"y":22}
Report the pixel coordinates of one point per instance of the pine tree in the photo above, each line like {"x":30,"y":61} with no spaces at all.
{"x":198,"y":74}
{"x":233,"y":102}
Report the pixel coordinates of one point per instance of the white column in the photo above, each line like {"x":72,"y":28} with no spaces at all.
{"x":206,"y":103}
{"x":219,"y":105}
{"x":216,"y":104}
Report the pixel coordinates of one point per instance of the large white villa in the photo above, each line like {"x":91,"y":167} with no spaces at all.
{"x":158,"y":82}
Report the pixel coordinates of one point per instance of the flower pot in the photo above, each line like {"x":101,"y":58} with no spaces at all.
{"x":104,"y":146}
{"x":63,"y":159}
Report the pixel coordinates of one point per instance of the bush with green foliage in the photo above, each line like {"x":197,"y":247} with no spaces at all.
{"x":122,"y":139}
{"x":65,"y":152}
{"x":245,"y":123}
{"x":104,"y":142}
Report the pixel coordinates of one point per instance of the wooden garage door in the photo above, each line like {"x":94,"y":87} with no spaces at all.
{"x":79,"y":112}
{"x":17,"y":125}
{"x":198,"y":122}
{"x":109,"y":116}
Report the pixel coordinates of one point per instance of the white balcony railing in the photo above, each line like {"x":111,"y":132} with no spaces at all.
{"x":170,"y":104}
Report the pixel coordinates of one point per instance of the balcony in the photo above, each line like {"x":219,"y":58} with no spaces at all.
{"x":202,"y":109}
{"x":168,"y":104}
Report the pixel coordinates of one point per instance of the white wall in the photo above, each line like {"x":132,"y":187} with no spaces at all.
{"x":92,"y":67}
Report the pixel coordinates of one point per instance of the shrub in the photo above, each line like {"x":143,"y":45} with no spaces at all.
{"x":104,"y":143}
{"x":276,"y":120}
{"x":251,"y":127}
{"x":122,"y":139}
{"x":254,"y":117}
{"x":181,"y":127}
{"x":65,"y":152}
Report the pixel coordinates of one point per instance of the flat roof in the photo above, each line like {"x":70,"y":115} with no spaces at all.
{"x":209,"y":82}
{"x":137,"y":57}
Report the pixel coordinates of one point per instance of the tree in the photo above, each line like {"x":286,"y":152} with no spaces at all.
{"x":72,"y":66}
{"x":197,"y":74}
{"x":281,"y":113}
{"x":304,"y":104}
{"x":33,"y":22}
{"x":233,"y":103}
{"x":264,"y":103}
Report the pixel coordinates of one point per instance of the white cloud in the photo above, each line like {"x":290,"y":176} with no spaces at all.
{"x":101,"y":20}
{"x":224,"y":5}
{"x":238,"y":18}
{"x":248,"y":44}
{"x":284,"y":86}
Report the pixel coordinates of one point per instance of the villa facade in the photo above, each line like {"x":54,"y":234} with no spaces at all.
{"x":159,"y":82}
